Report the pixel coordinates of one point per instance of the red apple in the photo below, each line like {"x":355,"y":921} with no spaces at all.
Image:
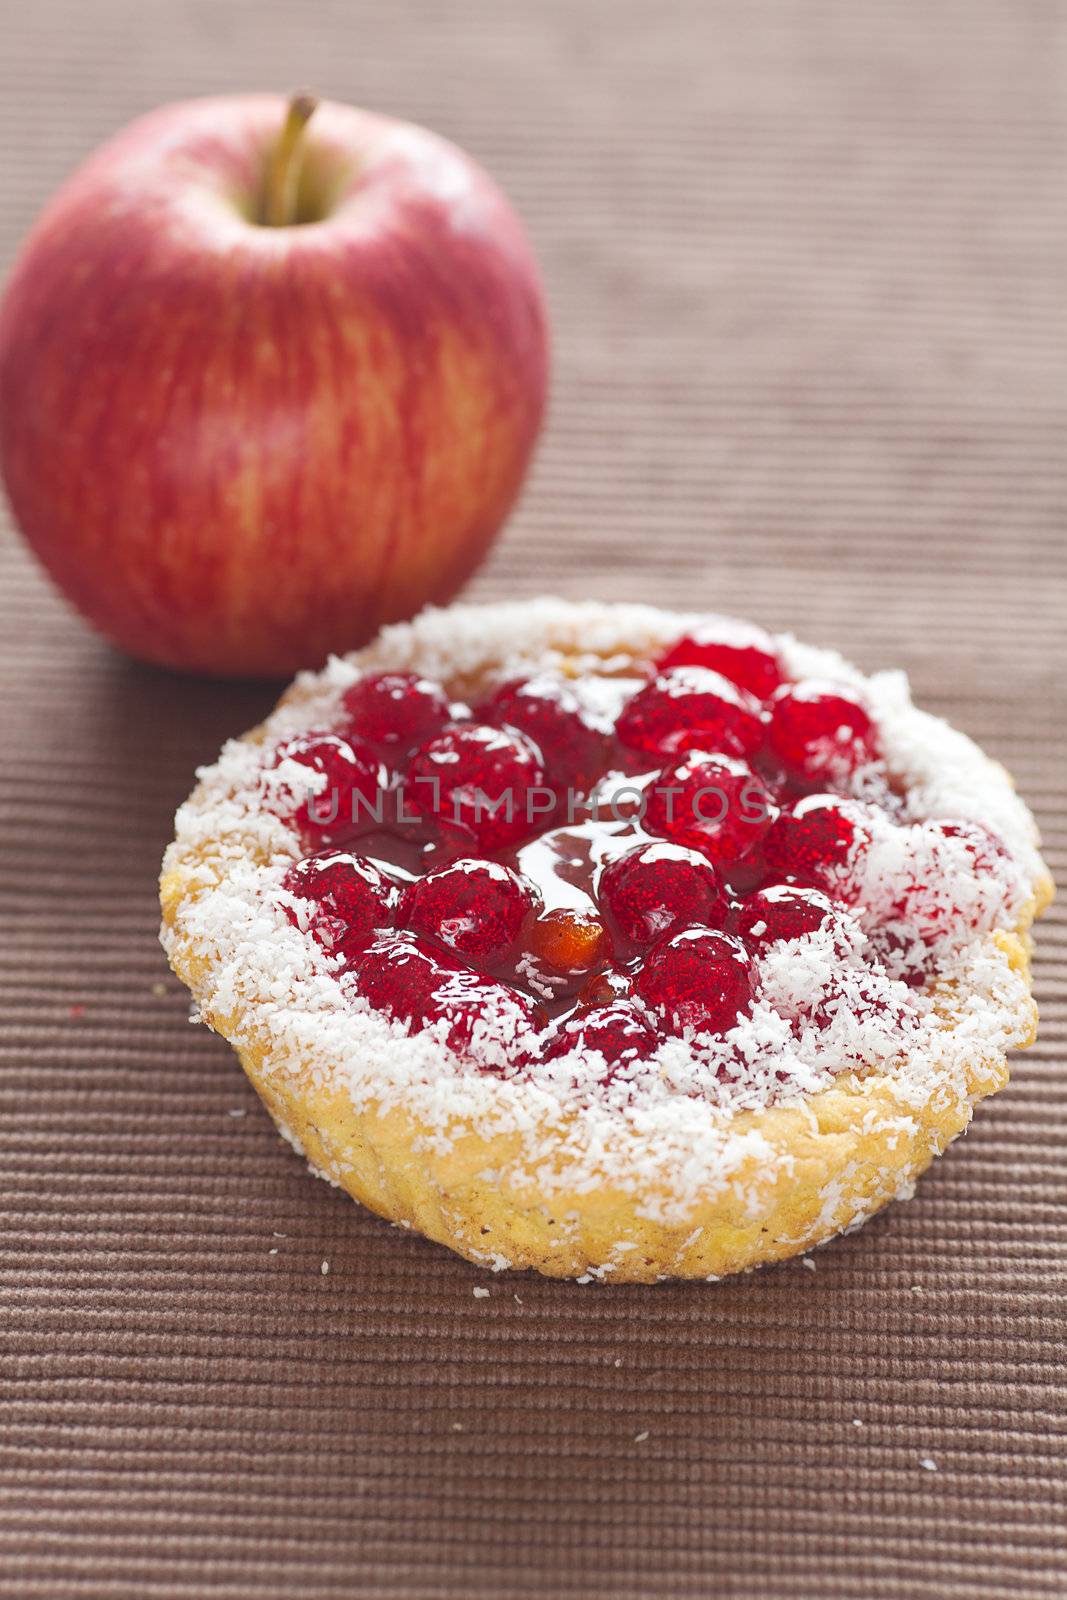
{"x":263,"y":389}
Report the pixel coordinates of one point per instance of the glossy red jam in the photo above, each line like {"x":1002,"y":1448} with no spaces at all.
{"x":691,"y":708}
{"x":549,"y":712}
{"x":820,"y":732}
{"x":784,"y":911}
{"x":618,"y":1031}
{"x":489,"y":881}
{"x":813,"y":841}
{"x":485,"y":781}
{"x":739,"y":651}
{"x":698,"y":980}
{"x":657,"y":889}
{"x":714,"y":804}
{"x":475,"y":909}
{"x":341,"y":899}
{"x":335,"y":786}
{"x":395,"y":710}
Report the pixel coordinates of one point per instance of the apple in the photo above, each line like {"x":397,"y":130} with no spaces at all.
{"x":268,"y":379}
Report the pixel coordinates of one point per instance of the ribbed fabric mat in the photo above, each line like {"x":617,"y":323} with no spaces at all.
{"x":806,"y":265}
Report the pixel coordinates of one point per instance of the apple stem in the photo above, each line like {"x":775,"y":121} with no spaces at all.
{"x":283,"y":172}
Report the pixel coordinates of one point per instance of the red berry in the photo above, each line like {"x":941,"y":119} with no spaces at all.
{"x":345,"y":900}
{"x":849,"y":996}
{"x":549,"y":712}
{"x":352,"y":794}
{"x":954,"y":880}
{"x":712,"y":804}
{"x":741,"y":652}
{"x":395,"y":709}
{"x":783,"y":911}
{"x":690,"y":708}
{"x":815,"y":842}
{"x":619,"y":1032}
{"x":398,"y":976}
{"x":489,"y":781}
{"x":475,"y":908}
{"x":401,"y":978}
{"x":986,"y":850}
{"x":658,"y":889}
{"x":698,"y":981}
{"x":903,"y":953}
{"x":820,"y":732}
{"x":481,"y":1016}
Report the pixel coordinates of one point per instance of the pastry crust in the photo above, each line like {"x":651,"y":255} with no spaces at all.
{"x":496,"y":1169}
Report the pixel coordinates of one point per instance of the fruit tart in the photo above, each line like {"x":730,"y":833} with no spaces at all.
{"x":606,"y":940}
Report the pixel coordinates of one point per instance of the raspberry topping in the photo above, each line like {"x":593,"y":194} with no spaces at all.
{"x":474,"y":908}
{"x":476,"y":1010}
{"x":662,"y":906}
{"x":698,"y":981}
{"x":712,"y":804}
{"x":659,"y":889}
{"x":814,"y":842}
{"x":399,"y":976}
{"x":986,"y":851}
{"x":344,"y":785}
{"x":489,"y":781}
{"x":937,"y":881}
{"x":691,"y":708}
{"x":820,"y":732}
{"x":344,"y":900}
{"x":550,"y":713}
{"x":844,"y":996}
{"x":741,"y":652}
{"x":396,"y":710}
{"x":410,"y":985}
{"x":619,"y":1032}
{"x":783,"y":911}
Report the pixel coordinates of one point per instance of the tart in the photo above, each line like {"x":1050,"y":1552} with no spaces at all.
{"x":609,"y":941}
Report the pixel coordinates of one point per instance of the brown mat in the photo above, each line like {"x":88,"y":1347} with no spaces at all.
{"x":807,"y":267}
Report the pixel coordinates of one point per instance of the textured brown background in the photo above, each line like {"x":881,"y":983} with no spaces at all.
{"x":807,"y":266}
